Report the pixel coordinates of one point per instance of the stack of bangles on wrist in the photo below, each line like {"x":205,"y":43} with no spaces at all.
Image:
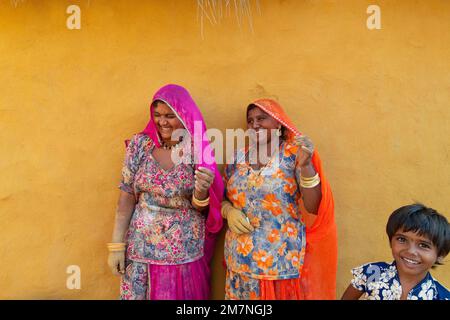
{"x":116,"y":246}
{"x":200,"y":203}
{"x":309,"y":182}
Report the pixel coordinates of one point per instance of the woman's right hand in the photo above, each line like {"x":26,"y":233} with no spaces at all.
{"x":238,"y":222}
{"x":116,"y":261}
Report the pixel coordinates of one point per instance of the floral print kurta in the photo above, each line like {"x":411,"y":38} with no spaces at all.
{"x":165,"y":229}
{"x":380,"y":281}
{"x":270,"y":200}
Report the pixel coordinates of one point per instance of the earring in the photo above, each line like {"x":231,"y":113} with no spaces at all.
{"x":279,"y":132}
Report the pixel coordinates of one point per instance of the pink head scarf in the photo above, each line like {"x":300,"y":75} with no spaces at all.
{"x":181,"y":102}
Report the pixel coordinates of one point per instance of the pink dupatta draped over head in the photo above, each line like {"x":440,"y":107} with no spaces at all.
{"x":181,"y":102}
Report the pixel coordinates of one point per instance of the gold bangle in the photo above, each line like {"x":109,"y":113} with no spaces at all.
{"x":310,"y":186}
{"x":116,"y":250}
{"x":205,"y":201}
{"x":116,"y":244}
{"x":310,"y":183}
{"x":116,"y":247}
{"x":313,"y":178}
{"x":200,"y":203}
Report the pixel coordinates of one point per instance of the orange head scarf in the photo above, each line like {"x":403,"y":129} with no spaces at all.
{"x":318,"y":277}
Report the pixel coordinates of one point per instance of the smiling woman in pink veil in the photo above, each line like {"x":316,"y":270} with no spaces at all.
{"x":168,"y":212}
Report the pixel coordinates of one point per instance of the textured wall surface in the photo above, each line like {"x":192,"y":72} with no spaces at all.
{"x":375,"y":102}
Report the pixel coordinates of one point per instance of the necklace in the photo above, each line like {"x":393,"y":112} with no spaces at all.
{"x":167,"y":146}
{"x":256,"y":174}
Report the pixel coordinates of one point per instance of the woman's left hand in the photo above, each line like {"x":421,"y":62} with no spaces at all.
{"x":306,"y":150}
{"x":203,"y":180}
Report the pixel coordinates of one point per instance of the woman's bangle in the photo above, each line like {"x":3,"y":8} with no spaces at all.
{"x":116,"y":246}
{"x":200,"y":203}
{"x":309,"y":182}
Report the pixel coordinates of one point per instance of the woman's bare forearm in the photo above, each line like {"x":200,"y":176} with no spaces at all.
{"x":125,"y":208}
{"x":311,"y":196}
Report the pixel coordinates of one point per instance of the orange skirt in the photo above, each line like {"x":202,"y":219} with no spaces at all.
{"x":241,"y":287}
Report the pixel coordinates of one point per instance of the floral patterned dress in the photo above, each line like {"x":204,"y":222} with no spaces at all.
{"x":380,"y":281}
{"x":270,"y":200}
{"x":165,"y":230}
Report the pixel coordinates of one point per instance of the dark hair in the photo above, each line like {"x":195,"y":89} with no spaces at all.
{"x":155,"y":102}
{"x":425,"y":222}
{"x":283,"y":128}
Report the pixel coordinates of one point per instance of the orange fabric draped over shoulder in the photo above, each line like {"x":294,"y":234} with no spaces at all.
{"x":318,"y":275}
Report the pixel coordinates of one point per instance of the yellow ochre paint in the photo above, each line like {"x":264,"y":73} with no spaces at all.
{"x":374,"y":101}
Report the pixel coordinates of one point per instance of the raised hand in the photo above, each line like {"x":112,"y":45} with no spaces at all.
{"x":203,"y":181}
{"x":306,"y":150}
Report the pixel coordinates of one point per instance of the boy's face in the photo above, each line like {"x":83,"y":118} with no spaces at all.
{"x":413,"y":254}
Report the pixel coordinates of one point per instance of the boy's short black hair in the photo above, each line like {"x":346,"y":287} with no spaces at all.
{"x":425,"y":222}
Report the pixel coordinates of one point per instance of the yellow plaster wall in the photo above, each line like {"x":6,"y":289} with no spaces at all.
{"x":376,"y":104}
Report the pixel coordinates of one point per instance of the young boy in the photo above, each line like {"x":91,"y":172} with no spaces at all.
{"x":419,"y":239}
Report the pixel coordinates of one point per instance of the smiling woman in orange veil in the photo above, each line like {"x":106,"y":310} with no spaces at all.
{"x":271,"y":251}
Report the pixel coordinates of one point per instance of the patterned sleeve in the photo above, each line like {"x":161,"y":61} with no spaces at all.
{"x":359,"y":280}
{"x":291,"y":160}
{"x":227,"y":172}
{"x":133,"y":156}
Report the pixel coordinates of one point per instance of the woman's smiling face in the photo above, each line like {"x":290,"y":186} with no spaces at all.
{"x":414,"y":254}
{"x":262,"y":123}
{"x":166,"y":120}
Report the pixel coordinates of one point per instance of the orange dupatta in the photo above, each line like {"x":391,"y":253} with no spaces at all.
{"x":318,"y":275}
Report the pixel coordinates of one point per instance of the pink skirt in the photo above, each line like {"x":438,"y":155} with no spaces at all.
{"x":144,"y":281}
